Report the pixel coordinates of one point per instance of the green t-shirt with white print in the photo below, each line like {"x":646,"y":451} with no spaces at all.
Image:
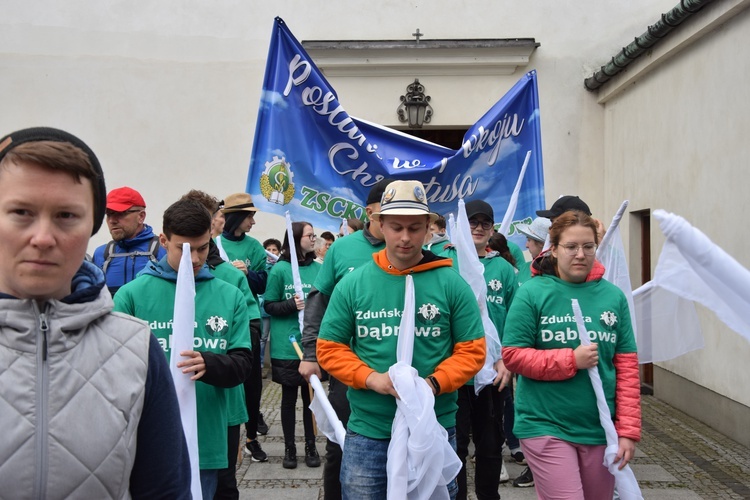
{"x":541,"y":317}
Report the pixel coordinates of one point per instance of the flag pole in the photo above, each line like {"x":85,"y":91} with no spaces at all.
{"x":295,"y":344}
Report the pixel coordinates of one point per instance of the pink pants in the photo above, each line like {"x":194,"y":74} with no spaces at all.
{"x":567,"y":471}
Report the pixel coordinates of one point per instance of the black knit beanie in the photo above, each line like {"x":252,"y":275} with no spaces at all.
{"x":14,"y":139}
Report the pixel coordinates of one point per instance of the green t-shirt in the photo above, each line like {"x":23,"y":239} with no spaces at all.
{"x":523,"y":268}
{"x":502,"y":284}
{"x":365,"y":313}
{"x":228,"y":273}
{"x":236,"y":406}
{"x":500,"y":277}
{"x":524,"y":272}
{"x":221,"y":325}
{"x":541,"y":317}
{"x":438,"y":248}
{"x":248,"y":250}
{"x":345,"y":255}
{"x":281,"y":287}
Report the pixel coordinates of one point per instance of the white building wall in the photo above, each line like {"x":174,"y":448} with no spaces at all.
{"x":166,"y":92}
{"x":676,"y":139}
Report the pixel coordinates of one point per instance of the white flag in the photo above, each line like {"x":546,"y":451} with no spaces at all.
{"x":421,"y":461}
{"x":472,"y":271}
{"x":513,"y":203}
{"x":625,"y":482}
{"x":182,"y":340}
{"x":295,"y":267}
{"x":325,"y":416}
{"x":611,"y":253}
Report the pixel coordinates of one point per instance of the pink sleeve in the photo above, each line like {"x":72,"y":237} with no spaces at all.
{"x":538,"y":364}
{"x":627,"y":396}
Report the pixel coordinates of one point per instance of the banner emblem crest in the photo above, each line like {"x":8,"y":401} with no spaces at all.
{"x":276,"y":181}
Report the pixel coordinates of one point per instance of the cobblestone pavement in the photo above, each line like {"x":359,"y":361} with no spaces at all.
{"x":678,"y":458}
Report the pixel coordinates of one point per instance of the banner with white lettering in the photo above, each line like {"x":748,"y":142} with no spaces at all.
{"x":312,"y":158}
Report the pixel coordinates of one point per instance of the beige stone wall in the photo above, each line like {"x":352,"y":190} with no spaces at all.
{"x":675,"y":138}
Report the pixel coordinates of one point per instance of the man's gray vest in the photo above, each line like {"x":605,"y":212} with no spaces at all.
{"x":72,"y":384}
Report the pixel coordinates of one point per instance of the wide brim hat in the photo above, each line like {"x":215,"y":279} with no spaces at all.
{"x":537,"y":230}
{"x":238,"y":202}
{"x":404,"y":198}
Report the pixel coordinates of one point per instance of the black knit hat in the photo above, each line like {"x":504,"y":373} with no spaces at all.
{"x":14,"y":139}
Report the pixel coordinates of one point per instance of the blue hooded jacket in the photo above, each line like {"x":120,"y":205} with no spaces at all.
{"x":124,"y":269}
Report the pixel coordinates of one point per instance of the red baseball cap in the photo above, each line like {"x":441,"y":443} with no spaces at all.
{"x":124,"y":198}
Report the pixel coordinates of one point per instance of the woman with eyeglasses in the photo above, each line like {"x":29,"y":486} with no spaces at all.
{"x":557,"y":419}
{"x":283,"y":305}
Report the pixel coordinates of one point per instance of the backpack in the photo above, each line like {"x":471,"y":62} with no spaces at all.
{"x":153,"y":250}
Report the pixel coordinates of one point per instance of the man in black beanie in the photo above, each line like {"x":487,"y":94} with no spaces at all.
{"x":345,"y":255}
{"x":61,"y":346}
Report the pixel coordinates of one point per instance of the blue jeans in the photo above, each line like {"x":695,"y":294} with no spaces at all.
{"x":209,"y":482}
{"x":363,"y":467}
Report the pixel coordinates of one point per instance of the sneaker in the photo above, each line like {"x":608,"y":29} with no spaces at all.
{"x":525,"y":480}
{"x":518,"y":457}
{"x":253,"y":449}
{"x":290,"y":457}
{"x":312,"y":459}
{"x":504,"y":477}
{"x":262,"y":425}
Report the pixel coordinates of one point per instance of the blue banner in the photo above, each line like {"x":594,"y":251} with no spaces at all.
{"x":314,"y":160}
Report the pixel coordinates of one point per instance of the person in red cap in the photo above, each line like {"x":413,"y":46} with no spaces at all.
{"x":133,"y":243}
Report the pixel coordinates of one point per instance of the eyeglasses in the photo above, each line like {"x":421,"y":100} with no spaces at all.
{"x":311,"y":236}
{"x":112,"y":213}
{"x":486,"y":225}
{"x":571,"y":250}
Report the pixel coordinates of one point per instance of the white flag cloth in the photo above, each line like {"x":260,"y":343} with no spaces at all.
{"x":625,"y":482}
{"x":182,"y":340}
{"x":325,"y":416}
{"x":691,"y":268}
{"x":668,"y":325}
{"x":345,"y":227}
{"x":611,"y":253}
{"x":513,"y":203}
{"x":295,"y":267}
{"x":450,"y":227}
{"x":717,"y":280}
{"x":473,"y":272}
{"x":421,"y":461}
{"x":222,"y":252}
